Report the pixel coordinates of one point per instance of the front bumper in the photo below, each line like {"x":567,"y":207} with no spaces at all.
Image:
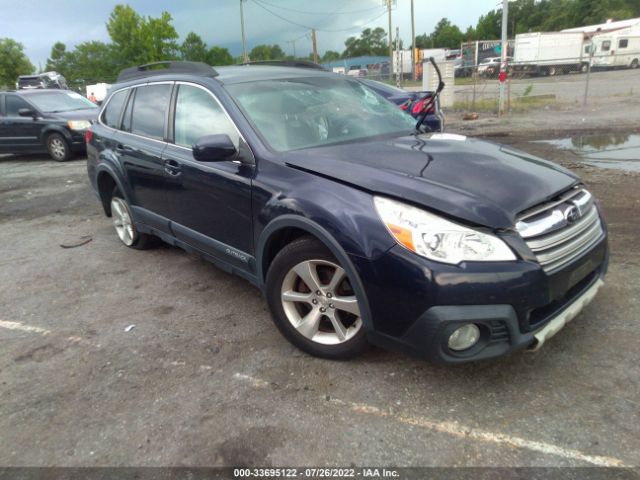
{"x":516,"y":306}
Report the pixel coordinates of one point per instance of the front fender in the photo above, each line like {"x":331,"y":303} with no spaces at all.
{"x":52,"y":128}
{"x":316,"y":230}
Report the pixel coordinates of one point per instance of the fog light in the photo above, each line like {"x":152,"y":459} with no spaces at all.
{"x":464,"y":337}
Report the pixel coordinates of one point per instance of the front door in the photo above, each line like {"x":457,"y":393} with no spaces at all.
{"x":210,"y":203}
{"x":18,"y":134}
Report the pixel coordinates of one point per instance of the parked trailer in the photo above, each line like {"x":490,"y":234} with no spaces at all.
{"x":550,"y":53}
{"x":99,"y":90}
{"x":472,"y":54}
{"x":619,"y":49}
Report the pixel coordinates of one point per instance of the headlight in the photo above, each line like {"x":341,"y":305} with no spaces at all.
{"x":78,"y":124}
{"x":438,"y":239}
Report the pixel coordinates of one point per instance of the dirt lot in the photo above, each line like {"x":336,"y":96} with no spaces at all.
{"x":204,"y":378}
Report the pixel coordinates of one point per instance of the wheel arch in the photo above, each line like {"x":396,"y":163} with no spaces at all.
{"x":49,"y":129}
{"x":284,"y":229}
{"x":106,"y":180}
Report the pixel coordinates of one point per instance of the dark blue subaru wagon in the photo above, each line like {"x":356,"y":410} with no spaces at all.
{"x":357,"y":227}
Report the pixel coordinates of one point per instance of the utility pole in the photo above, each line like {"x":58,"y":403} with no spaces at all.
{"x":390,"y":40}
{"x":503,"y":62}
{"x":398,"y":60}
{"x":413,"y":44}
{"x":245,"y":57}
{"x":315,"y":45}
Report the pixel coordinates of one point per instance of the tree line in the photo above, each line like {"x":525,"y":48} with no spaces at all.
{"x":531,"y":16}
{"x":136,"y":39}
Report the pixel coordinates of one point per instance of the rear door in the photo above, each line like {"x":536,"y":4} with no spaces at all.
{"x":18,"y":134}
{"x":139,"y":146}
{"x":210,"y":203}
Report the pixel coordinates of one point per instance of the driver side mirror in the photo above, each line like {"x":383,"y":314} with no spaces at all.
{"x":27,"y":112}
{"x":214,"y":148}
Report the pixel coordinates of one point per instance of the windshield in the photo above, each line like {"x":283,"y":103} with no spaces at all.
{"x":306,"y":112}
{"x":55,"y":102}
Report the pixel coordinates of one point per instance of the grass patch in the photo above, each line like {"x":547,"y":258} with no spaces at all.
{"x":519,"y":105}
{"x":464,"y":81}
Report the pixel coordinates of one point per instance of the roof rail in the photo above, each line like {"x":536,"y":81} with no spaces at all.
{"x":150,"y":69}
{"x":288,"y":63}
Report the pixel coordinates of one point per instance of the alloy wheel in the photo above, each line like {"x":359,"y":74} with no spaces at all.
{"x":57,"y":148}
{"x":122,"y":221}
{"x":319,"y":301}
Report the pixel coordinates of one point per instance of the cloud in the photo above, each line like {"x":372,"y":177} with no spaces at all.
{"x":39,"y":23}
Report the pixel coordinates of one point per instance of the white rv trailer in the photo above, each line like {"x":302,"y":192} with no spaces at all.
{"x":618,"y":49}
{"x":550,"y":53}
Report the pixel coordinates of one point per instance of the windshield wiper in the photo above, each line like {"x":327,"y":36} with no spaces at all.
{"x":432,"y":98}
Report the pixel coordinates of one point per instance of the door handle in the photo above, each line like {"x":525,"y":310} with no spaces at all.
{"x":171,"y":167}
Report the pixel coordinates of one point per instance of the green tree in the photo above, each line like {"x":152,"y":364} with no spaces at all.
{"x":489,"y":26}
{"x":92,"y":62}
{"x":446,"y":35}
{"x":266,"y":52}
{"x":58,"y":58}
{"x":194,"y":49}
{"x":13,"y":62}
{"x":141,"y":40}
{"x":217,"y":56}
{"x":370,"y":42}
{"x":159,"y":38}
{"x":330,"y":56}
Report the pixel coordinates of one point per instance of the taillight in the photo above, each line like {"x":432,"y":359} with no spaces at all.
{"x":405,"y":105}
{"x":88,"y":135}
{"x":420,"y":104}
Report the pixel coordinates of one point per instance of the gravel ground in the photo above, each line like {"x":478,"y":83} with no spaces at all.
{"x":205,"y":379}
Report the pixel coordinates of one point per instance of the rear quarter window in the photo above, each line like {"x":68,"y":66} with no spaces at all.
{"x":111,"y":114}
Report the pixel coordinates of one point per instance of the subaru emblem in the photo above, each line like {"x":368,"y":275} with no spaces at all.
{"x":572,"y":214}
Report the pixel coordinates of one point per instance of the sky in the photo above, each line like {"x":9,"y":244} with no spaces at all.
{"x":38,"y":24}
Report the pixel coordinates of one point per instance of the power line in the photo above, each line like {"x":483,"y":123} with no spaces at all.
{"x":259,"y":3}
{"x":320,"y":13}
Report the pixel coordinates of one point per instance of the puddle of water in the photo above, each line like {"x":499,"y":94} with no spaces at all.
{"x":609,"y":150}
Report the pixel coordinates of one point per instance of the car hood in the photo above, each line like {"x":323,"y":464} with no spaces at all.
{"x":477,"y":181}
{"x":84,"y":114}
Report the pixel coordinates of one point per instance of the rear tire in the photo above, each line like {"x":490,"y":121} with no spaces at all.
{"x":313,"y":303}
{"x":125,"y":225}
{"x":635,"y":63}
{"x":58,"y":148}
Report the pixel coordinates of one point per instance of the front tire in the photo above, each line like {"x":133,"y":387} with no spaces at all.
{"x":313,"y":303}
{"x":635,"y":63}
{"x":124,"y":224}
{"x":58,"y":148}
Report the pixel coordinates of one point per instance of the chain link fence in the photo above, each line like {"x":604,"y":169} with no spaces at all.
{"x":550,"y":71}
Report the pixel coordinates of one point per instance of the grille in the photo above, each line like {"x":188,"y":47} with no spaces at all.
{"x":499,"y":332}
{"x":560,"y":231}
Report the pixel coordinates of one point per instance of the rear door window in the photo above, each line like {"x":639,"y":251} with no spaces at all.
{"x":126,"y":120}
{"x":623,"y":43}
{"x":150,"y":110}
{"x":606,"y":45}
{"x":111,"y":115}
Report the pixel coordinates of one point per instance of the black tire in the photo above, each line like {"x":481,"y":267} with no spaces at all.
{"x":552,"y":72}
{"x":58,"y":148}
{"x":301,"y":250}
{"x":584,"y":68}
{"x":140,"y":241}
{"x":635,"y":63}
